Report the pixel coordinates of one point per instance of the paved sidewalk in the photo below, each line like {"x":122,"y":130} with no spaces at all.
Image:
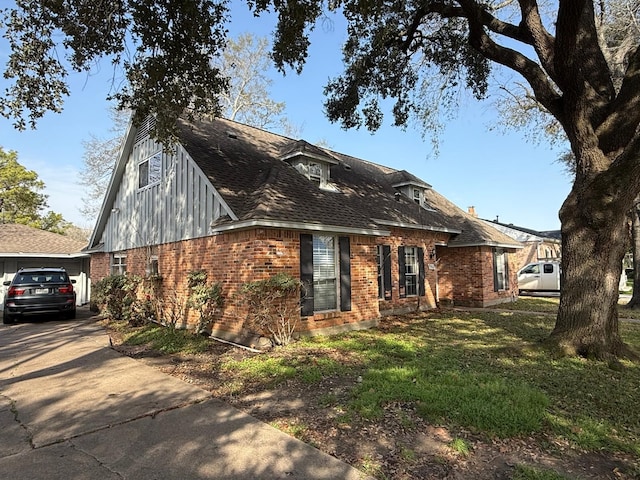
{"x":73,"y":408}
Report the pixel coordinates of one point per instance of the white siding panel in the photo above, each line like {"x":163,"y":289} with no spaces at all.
{"x":181,"y":206}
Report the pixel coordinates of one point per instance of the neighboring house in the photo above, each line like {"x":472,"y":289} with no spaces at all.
{"x":537,"y":245}
{"x":244,"y":204}
{"x":23,"y":246}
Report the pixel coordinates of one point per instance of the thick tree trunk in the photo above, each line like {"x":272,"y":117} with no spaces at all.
{"x":635,"y":239}
{"x":594,"y":241}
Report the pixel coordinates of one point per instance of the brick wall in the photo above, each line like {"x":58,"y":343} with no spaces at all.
{"x":465,"y":277}
{"x":100,"y":266}
{"x":240,"y":257}
{"x":409,"y":238}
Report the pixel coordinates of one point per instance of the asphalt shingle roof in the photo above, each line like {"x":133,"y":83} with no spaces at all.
{"x":246,"y":166}
{"x":16,"y":238}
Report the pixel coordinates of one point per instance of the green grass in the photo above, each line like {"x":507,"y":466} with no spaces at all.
{"x":167,"y":340}
{"x":483,"y":371}
{"x":529,"y":473}
{"x":532,"y":304}
{"x":550,"y":305}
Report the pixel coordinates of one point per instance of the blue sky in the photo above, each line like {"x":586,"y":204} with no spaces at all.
{"x":500,"y":175}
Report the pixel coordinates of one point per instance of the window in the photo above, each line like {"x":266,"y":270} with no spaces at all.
{"x":150,"y":170}
{"x":152,"y":267}
{"x":118,"y":264}
{"x":500,"y":270}
{"x":411,"y":271}
{"x":547,"y":268}
{"x":325,"y":273}
{"x":325,"y":293}
{"x":383,"y":257}
{"x":315,"y":173}
{"x":533,"y":268}
{"x":417,"y":195}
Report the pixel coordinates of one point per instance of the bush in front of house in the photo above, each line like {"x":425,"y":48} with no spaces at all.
{"x":274,"y":308}
{"x":118,"y":297}
{"x":204,"y":298}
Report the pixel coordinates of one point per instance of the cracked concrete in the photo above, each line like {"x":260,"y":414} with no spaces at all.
{"x":72,"y":408}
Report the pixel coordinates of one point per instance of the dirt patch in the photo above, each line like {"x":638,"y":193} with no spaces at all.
{"x":400,"y":446}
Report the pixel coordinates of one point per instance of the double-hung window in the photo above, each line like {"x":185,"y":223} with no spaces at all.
{"x":500,"y":270}
{"x":325,"y":272}
{"x":383,"y":257}
{"x":325,"y":292}
{"x":150,"y":170}
{"x":118,"y":264}
{"x":411,"y":270}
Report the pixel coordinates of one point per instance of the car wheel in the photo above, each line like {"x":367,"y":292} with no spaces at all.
{"x":7,"y":319}
{"x":71,"y":314}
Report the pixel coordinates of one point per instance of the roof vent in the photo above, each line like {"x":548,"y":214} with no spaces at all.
{"x":346,"y":166}
{"x":231,"y":134}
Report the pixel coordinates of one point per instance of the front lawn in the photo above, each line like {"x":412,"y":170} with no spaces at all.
{"x":481,"y":375}
{"x":550,"y":305}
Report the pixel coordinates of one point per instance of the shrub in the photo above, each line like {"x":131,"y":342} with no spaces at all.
{"x":114,"y":294}
{"x":117,"y":297}
{"x":204,"y":298}
{"x":273,"y":306}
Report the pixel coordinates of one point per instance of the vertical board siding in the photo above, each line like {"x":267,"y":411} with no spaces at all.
{"x":180,"y":207}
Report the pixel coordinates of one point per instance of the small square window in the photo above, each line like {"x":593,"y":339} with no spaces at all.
{"x":150,"y":170}
{"x":118,"y":264}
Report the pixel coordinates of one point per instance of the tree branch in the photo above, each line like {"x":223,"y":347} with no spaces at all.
{"x":622,"y":122}
{"x":542,"y":41}
{"x":536,"y":77}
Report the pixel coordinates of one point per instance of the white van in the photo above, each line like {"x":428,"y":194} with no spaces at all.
{"x":540,"y":277}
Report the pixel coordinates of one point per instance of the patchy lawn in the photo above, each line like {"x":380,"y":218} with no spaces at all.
{"x":550,"y":305}
{"x":445,"y":394}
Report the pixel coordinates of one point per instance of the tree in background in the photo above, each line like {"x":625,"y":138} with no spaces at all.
{"x":414,"y":55}
{"x":99,"y":159}
{"x":20,"y":198}
{"x":245,"y":62}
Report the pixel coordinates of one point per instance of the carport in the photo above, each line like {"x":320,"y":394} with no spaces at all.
{"x":26,"y":247}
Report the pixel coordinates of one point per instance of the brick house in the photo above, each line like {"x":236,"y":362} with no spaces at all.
{"x":243,"y":204}
{"x":537,"y":246}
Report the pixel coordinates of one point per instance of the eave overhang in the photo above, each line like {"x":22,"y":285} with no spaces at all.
{"x":266,"y":223}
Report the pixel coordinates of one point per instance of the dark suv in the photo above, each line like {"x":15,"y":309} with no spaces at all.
{"x":39,"y":290}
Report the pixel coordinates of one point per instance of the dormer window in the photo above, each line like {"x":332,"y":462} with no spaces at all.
{"x":315,"y":174}
{"x":310,"y":161}
{"x":417,"y":196}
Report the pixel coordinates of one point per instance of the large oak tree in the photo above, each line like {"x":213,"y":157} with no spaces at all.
{"x":395,"y":51}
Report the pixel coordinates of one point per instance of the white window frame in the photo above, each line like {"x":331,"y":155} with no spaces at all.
{"x":417,"y":196}
{"x":500,"y":269}
{"x":118,"y":264}
{"x":411,"y":271}
{"x":150,"y":171}
{"x":320,"y":276}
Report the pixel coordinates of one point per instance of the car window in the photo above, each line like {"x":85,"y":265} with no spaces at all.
{"x":41,"y":277}
{"x":534,"y":268}
{"x":548,"y":268}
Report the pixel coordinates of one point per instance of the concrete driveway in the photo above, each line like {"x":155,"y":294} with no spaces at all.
{"x":73,"y":408}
